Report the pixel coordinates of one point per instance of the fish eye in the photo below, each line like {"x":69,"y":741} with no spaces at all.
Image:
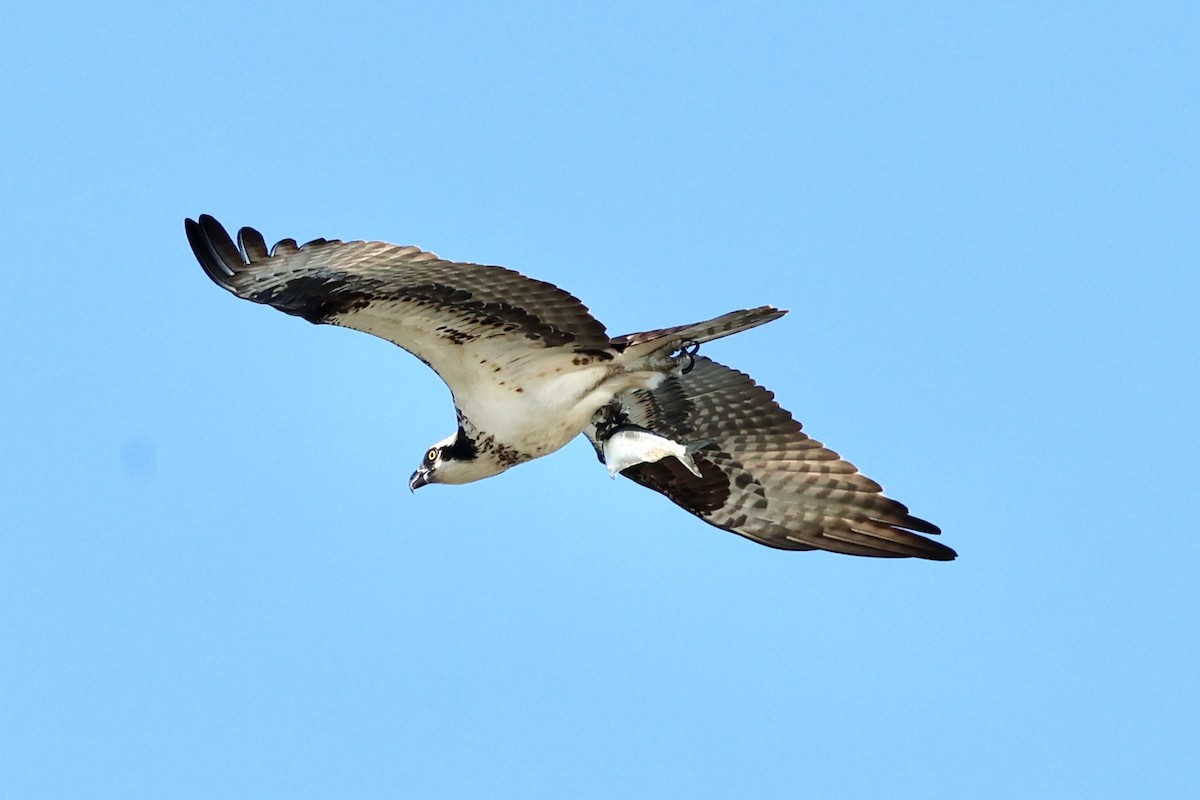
{"x":432,"y":455}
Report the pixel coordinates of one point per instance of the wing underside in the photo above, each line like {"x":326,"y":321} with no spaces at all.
{"x":761,"y":476}
{"x":453,"y":316}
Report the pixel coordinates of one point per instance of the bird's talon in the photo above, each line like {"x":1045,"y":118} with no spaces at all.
{"x":688,"y":351}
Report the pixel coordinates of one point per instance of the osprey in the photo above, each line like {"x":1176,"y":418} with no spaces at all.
{"x":530,"y":368}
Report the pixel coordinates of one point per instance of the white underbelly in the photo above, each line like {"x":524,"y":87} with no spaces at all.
{"x":538,"y":414}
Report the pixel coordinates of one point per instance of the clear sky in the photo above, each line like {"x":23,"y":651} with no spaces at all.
{"x":214,"y":581}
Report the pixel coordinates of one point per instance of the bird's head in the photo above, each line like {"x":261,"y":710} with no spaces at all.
{"x":452,"y":460}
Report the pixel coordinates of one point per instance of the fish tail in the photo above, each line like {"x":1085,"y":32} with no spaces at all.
{"x":693,"y":447}
{"x":689,"y":462}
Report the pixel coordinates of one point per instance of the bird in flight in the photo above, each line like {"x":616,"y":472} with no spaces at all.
{"x":530,"y":369}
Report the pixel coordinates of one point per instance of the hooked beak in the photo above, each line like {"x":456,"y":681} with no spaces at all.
{"x":419,"y":478}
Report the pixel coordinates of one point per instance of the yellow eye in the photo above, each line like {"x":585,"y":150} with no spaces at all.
{"x":431,"y":456}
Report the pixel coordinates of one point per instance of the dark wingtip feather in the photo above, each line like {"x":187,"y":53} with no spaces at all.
{"x":906,"y":520}
{"x":928,"y":548}
{"x":253,"y":245}
{"x":215,"y":251}
{"x":935,"y":551}
{"x":222,"y":244}
{"x":208,"y":258}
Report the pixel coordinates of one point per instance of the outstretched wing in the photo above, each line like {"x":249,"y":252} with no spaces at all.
{"x":461,"y":319}
{"x":761,"y":477}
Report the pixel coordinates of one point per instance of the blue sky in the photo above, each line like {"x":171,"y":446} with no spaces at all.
{"x":213,"y":578}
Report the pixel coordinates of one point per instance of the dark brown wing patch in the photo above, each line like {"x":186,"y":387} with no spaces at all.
{"x":701,"y":496}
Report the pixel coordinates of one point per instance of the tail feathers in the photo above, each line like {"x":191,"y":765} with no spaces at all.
{"x":699,"y":332}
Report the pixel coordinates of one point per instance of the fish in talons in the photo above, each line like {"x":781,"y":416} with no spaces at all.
{"x":629,"y":445}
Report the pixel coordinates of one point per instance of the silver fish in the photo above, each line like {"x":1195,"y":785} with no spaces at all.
{"x":630,"y":445}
